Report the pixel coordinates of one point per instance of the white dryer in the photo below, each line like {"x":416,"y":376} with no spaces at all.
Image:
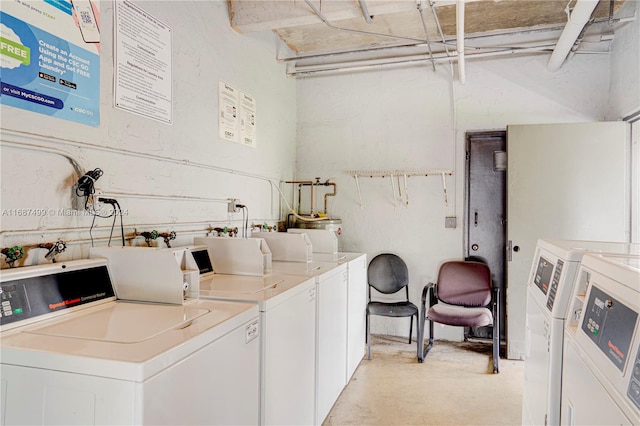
{"x":287,"y":306}
{"x":550,"y":286}
{"x":73,"y":354}
{"x":601,"y":366}
{"x":331,"y":333}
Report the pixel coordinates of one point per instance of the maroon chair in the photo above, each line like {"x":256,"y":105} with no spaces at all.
{"x":462,"y":296}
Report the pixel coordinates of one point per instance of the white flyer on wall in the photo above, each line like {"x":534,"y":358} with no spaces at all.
{"x":227,"y":112}
{"x":142,"y":75}
{"x":247,"y":120}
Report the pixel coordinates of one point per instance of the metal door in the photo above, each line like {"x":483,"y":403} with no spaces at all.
{"x":485,"y":212}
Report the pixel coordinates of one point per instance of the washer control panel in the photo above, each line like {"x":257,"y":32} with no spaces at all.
{"x":610,"y":325}
{"x":553,"y":289}
{"x":27,"y":298}
{"x":543,"y":274}
{"x":633,"y":391}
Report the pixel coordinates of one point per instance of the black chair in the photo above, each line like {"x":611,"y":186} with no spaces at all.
{"x":460,"y":297}
{"x":388,"y":274}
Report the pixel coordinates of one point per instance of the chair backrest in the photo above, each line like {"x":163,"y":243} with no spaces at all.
{"x":387,"y":273}
{"x":464,"y":283}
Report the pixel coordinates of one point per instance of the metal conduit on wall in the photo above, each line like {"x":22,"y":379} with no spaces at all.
{"x":23,"y":140}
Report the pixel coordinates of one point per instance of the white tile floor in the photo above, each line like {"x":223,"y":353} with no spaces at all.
{"x":454,"y":386}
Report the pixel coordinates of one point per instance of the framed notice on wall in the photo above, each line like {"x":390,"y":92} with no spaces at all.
{"x":236,"y":115}
{"x":142,"y":74}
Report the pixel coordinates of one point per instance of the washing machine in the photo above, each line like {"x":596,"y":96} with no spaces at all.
{"x":74,"y":354}
{"x":331,"y":279}
{"x":356,"y":303}
{"x":287,"y":306}
{"x":549,"y":291}
{"x":321,"y":245}
{"x":601,"y":365}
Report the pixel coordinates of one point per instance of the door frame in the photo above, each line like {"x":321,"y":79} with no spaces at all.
{"x":498,"y":133}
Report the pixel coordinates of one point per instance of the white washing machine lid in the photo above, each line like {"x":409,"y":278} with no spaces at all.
{"x":319,"y":270}
{"x":114,"y":322}
{"x":267,"y":291}
{"x":119,"y":340}
{"x":573,"y":250}
{"x":620,"y":268}
{"x":340,"y":257}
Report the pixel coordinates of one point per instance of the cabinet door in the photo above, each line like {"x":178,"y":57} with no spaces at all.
{"x":568,"y":181}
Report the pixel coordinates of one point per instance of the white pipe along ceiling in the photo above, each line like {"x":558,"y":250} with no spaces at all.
{"x":578,"y":18}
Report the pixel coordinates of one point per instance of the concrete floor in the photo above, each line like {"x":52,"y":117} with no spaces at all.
{"x":454,"y":386}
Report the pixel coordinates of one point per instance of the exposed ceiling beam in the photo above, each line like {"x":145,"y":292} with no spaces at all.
{"x":262,"y":15}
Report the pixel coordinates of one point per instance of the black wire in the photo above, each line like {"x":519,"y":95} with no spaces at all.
{"x":121,"y":225}
{"x":90,"y":229}
{"x":113,"y":224}
{"x":85,"y":186}
{"x":246,"y":223}
{"x":86,"y":182}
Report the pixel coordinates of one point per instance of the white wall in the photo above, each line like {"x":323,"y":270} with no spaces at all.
{"x":625,"y":65}
{"x":403,"y":119}
{"x":205,"y":50}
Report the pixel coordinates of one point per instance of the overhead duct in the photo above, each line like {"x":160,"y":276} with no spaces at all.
{"x":575,"y":24}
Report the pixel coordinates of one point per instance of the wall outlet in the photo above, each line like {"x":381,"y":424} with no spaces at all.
{"x":231,"y":205}
{"x":94,"y":199}
{"x":102,"y":208}
{"x":450,"y":222}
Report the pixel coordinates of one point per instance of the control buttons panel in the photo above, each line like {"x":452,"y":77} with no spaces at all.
{"x":633,"y":392}
{"x":28,"y":298}
{"x":543,"y":274}
{"x":12,"y":300}
{"x":553,"y":289}
{"x":609,"y":324}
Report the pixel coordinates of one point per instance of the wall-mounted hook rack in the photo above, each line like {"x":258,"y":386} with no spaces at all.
{"x":400,"y":177}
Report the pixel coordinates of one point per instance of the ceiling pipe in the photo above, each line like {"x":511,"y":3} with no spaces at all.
{"x":307,"y":70}
{"x":578,"y":18}
{"x":365,"y":12}
{"x":426,"y":34}
{"x":460,"y":39}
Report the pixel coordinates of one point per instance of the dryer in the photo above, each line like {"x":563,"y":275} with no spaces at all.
{"x":73,"y":354}
{"x":601,"y":366}
{"x":549,"y":291}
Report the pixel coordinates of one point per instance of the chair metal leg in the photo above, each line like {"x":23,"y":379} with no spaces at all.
{"x":496,"y":331}
{"x":422,"y":350}
{"x":430,"y":345}
{"x":368,"y":338}
{"x":411,"y":329}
